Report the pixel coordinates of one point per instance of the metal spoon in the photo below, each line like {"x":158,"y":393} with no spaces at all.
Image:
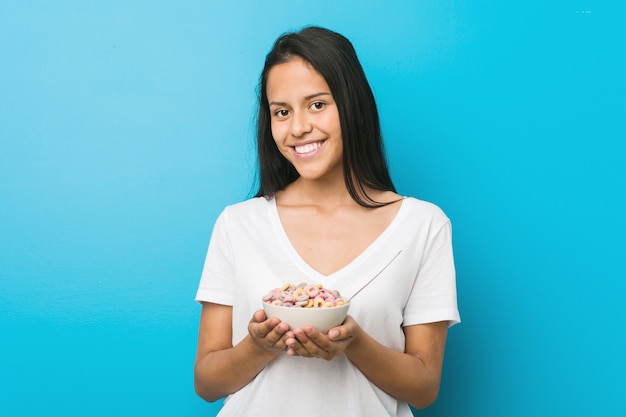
{"x":375,"y":276}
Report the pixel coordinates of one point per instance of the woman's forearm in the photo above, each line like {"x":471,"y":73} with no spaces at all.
{"x":222,"y":372}
{"x":403,"y":376}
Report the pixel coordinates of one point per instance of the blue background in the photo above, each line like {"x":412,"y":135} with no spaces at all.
{"x":126,"y":126}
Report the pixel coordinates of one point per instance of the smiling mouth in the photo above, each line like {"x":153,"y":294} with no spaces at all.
{"x":307,"y":148}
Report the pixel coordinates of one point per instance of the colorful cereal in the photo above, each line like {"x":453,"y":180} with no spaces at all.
{"x":304,"y":295}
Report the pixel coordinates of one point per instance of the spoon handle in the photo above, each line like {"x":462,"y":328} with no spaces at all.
{"x":375,"y":276}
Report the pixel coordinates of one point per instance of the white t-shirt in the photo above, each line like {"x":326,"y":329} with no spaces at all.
{"x":250,"y":254}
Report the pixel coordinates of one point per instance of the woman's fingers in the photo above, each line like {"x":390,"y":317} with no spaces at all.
{"x":268,"y":332}
{"x":309,"y":342}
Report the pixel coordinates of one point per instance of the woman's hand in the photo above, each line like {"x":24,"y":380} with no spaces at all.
{"x":268,"y":334}
{"x":311,"y":343}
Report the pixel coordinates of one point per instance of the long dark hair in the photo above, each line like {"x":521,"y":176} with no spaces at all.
{"x":334,"y":57}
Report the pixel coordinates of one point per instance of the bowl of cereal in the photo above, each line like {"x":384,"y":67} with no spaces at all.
{"x":305,"y":304}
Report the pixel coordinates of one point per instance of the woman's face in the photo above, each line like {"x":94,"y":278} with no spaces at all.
{"x":305,"y":120}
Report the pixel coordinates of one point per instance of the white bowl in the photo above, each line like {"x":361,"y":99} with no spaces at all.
{"x":322,"y":319}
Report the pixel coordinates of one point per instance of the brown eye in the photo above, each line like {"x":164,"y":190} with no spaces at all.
{"x":318,"y":105}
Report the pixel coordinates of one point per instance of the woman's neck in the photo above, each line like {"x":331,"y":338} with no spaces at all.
{"x":320,"y":193}
{"x":328,"y":194}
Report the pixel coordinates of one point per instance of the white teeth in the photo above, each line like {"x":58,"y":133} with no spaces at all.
{"x":309,"y":147}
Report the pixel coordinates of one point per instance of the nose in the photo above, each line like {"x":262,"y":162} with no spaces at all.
{"x":300,"y":124}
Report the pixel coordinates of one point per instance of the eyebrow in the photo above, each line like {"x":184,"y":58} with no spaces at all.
{"x":307,"y":98}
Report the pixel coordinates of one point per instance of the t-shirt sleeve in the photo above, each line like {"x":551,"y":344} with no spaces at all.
{"x":433,"y":297}
{"x":216,"y":282}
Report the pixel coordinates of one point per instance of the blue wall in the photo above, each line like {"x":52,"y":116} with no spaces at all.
{"x":125,"y":127}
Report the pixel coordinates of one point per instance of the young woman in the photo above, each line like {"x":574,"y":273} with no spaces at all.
{"x":326,"y":212}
